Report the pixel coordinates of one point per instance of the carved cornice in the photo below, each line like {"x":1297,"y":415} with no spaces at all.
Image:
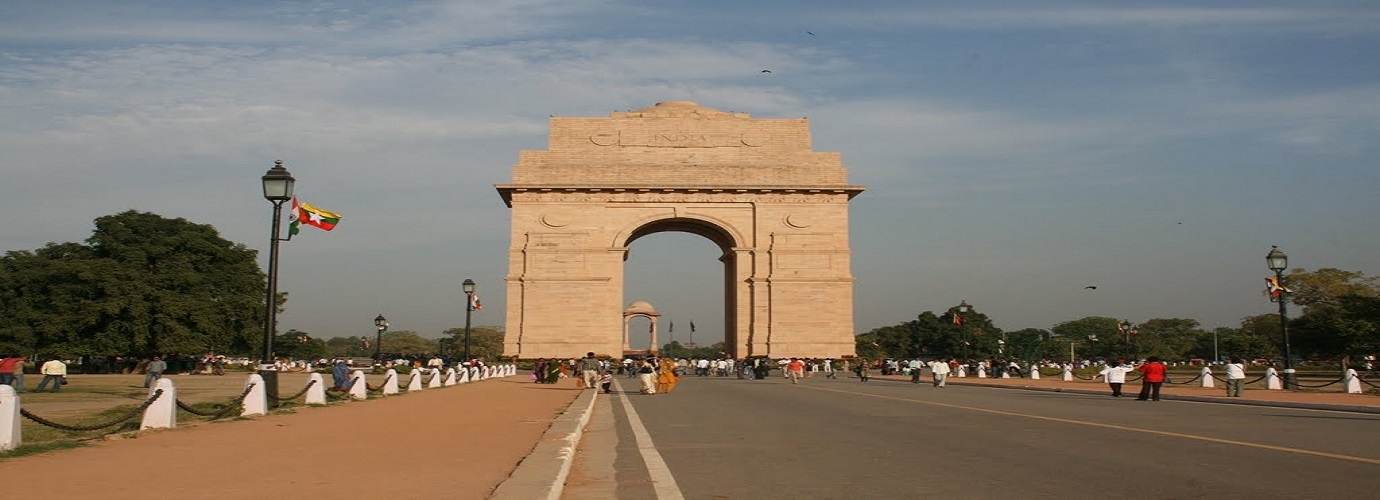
{"x":697,"y":194}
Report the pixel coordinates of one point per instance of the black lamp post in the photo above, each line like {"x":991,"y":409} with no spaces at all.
{"x":277,"y":190}
{"x":380,"y":324}
{"x":1128,"y":332}
{"x":468,"y":288}
{"x":958,"y":319}
{"x":1277,"y":261}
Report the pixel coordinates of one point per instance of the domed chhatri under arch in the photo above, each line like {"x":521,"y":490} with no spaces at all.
{"x":777,"y":209}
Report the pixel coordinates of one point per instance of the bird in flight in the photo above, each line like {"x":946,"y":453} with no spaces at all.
{"x":811,"y":33}
{"x":766,"y":71}
{"x":1090,"y":287}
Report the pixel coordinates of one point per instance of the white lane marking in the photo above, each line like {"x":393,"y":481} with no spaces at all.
{"x":662,"y":481}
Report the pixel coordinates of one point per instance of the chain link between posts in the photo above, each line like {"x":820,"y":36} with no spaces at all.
{"x":136,"y":412}
{"x":237,"y":403}
{"x":380,"y":386}
{"x":299,"y":394}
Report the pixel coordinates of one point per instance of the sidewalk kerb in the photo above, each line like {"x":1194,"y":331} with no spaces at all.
{"x":543,"y":472}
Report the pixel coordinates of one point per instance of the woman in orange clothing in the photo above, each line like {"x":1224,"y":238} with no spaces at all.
{"x":666,"y":379}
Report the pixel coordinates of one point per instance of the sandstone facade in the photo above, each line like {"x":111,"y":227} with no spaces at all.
{"x":777,"y":209}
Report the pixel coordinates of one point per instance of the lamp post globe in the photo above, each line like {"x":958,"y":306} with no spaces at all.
{"x":381,"y":325}
{"x":1277,"y":261}
{"x":468,"y":287}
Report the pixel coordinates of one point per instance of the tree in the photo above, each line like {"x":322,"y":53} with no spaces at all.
{"x":141,"y":285}
{"x":1349,"y":327}
{"x":486,"y":342}
{"x":1092,"y":336}
{"x":1327,"y":286}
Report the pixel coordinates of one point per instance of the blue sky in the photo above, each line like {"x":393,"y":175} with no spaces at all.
{"x":1015,"y":152}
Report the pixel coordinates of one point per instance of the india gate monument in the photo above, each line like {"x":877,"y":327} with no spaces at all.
{"x":753,"y":186}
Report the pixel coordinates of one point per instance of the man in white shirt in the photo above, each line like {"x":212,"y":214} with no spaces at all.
{"x":1236,"y":375}
{"x":54,"y":371}
{"x":1115,"y":375}
{"x":939,"y":369}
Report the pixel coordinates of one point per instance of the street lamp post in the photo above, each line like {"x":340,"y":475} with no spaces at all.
{"x":1128,"y":332}
{"x":1277,"y":261}
{"x":380,"y":324}
{"x":468,"y":288}
{"x":277,"y":183}
{"x":958,"y":320}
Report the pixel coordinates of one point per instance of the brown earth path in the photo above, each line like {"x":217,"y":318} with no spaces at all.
{"x":452,"y":442}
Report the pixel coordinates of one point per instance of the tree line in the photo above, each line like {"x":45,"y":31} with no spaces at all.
{"x":145,"y":285}
{"x":1335,"y":317}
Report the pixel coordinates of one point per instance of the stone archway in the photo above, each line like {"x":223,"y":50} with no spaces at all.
{"x":639,"y":309}
{"x":777,"y":209}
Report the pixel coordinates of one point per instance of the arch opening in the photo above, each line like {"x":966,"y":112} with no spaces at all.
{"x":665,"y":261}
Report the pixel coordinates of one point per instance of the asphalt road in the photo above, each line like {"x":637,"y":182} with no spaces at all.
{"x":724,"y":438}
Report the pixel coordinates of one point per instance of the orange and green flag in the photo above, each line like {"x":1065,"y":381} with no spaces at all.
{"x":313,"y":216}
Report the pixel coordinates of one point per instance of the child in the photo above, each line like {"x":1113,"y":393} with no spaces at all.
{"x":605,"y":381}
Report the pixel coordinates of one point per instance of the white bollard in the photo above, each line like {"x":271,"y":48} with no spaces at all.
{"x":962,"y":371}
{"x":474,"y":374}
{"x":359,"y":385}
{"x":10,"y":435}
{"x":464,"y":376}
{"x":390,"y":384}
{"x":1272,"y":380}
{"x":316,"y":394}
{"x":433,"y":378}
{"x":1034,"y":372}
{"x":450,"y":377}
{"x":1068,"y":373}
{"x":162,"y":413}
{"x":1207,"y":377}
{"x":1353,"y":384}
{"x":1006,"y":373}
{"x":982,"y":371}
{"x":256,"y":402}
{"x":414,"y":380}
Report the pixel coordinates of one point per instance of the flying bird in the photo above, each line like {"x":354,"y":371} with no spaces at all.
{"x":811,"y":33}
{"x":1090,"y":287}
{"x":766,"y":71}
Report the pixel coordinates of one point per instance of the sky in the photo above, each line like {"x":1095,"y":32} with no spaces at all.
{"x":1014,"y":153}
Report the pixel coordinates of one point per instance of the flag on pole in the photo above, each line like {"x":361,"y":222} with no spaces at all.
{"x":958,"y":319}
{"x":294,"y":218}
{"x":1274,"y":288}
{"x":474,"y":302}
{"x":313,"y":216}
{"x":692,"y":327}
{"x":672,"y":327}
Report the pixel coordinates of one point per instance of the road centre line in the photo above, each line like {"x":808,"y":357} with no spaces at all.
{"x":662,"y":481}
{"x":1116,"y":427}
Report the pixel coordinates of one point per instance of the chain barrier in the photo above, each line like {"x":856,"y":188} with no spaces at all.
{"x":344,"y":392}
{"x":137,"y":411}
{"x":237,"y":403}
{"x":1296,"y":384}
{"x":1138,"y":376}
{"x":1367,"y":382}
{"x":1080,"y":377}
{"x":1189,"y":381}
{"x":380,"y":386}
{"x":299,"y":394}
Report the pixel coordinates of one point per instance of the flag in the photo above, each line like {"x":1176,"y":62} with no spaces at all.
{"x":313,"y":216}
{"x":293,"y":218}
{"x":474,"y":302}
{"x":958,"y":319}
{"x":651,"y":327}
{"x":692,"y":327}
{"x":672,"y":328}
{"x":1274,"y":288}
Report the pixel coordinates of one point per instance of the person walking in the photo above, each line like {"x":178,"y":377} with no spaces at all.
{"x":589,"y":369}
{"x":55,"y":371}
{"x":646,"y":372}
{"x":17,"y":378}
{"x":666,"y":378}
{"x":155,"y":370}
{"x":939,"y":370}
{"x":1236,"y":375}
{"x":796,"y":369}
{"x":7,"y":369}
{"x":863,"y":370}
{"x":606,"y":381}
{"x":1115,"y":375}
{"x":1152,"y":377}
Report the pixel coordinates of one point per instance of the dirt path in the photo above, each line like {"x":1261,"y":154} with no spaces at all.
{"x":454,"y":442}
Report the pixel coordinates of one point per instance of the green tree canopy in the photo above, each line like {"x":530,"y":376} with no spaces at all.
{"x":141,"y":285}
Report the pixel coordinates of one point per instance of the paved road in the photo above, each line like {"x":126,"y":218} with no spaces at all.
{"x":728,"y":438}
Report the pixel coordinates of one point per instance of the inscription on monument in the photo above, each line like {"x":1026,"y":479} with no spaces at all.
{"x":675,"y":140}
